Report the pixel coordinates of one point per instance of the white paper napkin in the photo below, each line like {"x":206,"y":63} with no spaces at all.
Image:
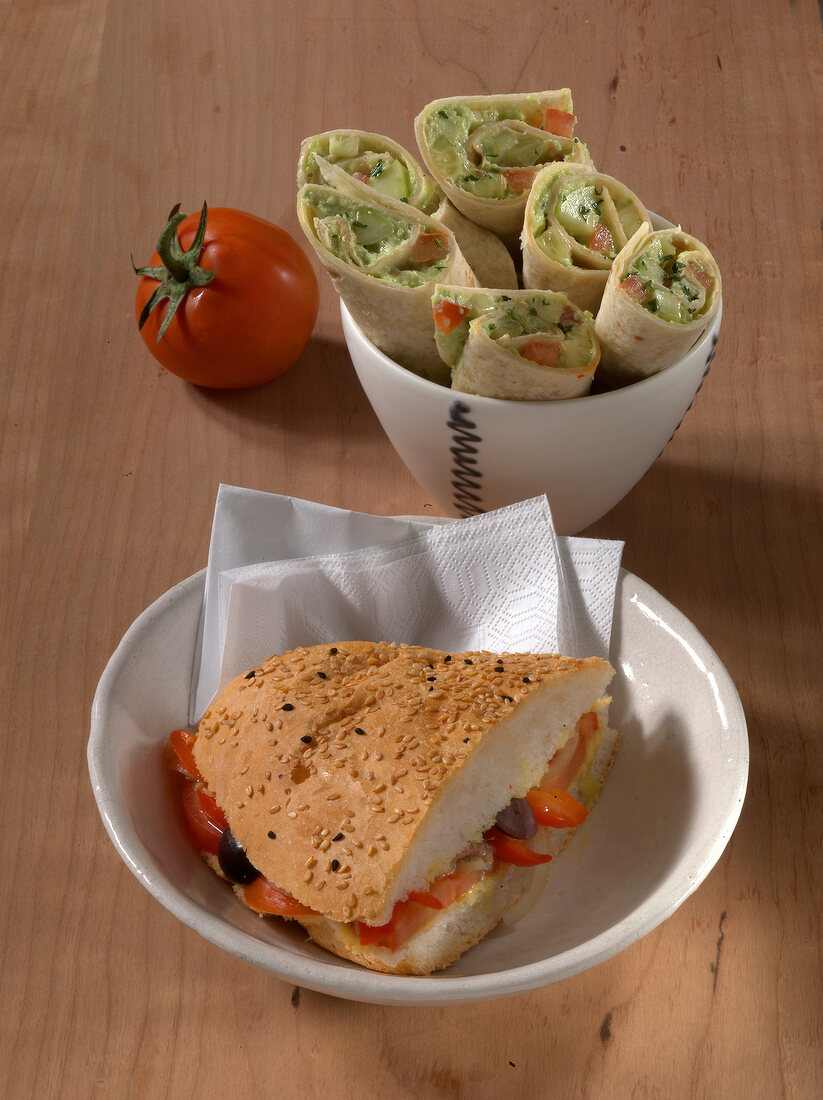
{"x":284,"y":572}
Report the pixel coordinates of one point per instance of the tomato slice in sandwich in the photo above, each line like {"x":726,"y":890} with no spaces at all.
{"x":178,"y":753}
{"x":265,"y":897}
{"x":204,"y":819}
{"x":556,"y":808}
{"x":508,"y":849}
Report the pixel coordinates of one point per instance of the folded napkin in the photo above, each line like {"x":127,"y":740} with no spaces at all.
{"x":284,"y":572}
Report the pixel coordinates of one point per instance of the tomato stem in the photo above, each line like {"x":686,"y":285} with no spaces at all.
{"x":179,"y":272}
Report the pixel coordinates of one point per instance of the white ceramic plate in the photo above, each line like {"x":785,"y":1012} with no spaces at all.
{"x":664,"y":818}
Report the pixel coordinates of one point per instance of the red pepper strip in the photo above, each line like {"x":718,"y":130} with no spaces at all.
{"x":507,"y":849}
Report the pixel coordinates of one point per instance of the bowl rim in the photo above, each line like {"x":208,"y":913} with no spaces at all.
{"x":352,"y":982}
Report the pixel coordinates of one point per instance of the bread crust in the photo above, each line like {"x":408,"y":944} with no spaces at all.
{"x":329,"y":761}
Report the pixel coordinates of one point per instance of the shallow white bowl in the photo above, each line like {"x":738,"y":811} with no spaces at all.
{"x":474,"y":454}
{"x":664,"y":818}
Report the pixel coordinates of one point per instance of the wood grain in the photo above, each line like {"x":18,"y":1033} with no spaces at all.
{"x":112,"y":112}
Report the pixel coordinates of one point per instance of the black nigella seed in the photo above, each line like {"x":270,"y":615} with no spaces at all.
{"x":322,"y":675}
{"x":338,"y":837}
{"x":333,"y":651}
{"x":287,"y":706}
{"x":465,"y":740}
{"x":430,"y":678}
{"x":526,"y":680}
{"x":271,"y":835}
{"x":307,"y":739}
{"x":498,"y":668}
{"x":508,"y":698}
{"x":335,"y":863}
{"x":357,"y":729}
{"x":249,"y":675}
{"x":467,"y":661}
{"x":447,"y":659}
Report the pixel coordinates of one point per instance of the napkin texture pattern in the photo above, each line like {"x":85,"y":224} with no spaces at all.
{"x":284,"y":572}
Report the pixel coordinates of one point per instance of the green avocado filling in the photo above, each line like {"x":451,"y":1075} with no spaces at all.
{"x":672,"y":289}
{"x":476,"y":146}
{"x":363,"y":236}
{"x":380,"y":169}
{"x":507,"y":317}
{"x":581,"y":209}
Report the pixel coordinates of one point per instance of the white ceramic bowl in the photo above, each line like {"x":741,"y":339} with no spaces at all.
{"x":474,"y":454}
{"x":663,"y":820}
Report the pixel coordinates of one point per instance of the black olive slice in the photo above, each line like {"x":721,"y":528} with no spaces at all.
{"x":234,"y":863}
{"x":517,"y":819}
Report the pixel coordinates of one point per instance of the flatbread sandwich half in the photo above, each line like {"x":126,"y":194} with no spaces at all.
{"x":397,"y":801}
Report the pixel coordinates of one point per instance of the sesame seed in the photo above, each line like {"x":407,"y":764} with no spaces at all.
{"x":309,"y":875}
{"x":292,"y":814}
{"x":343,"y":885}
{"x":310,"y":862}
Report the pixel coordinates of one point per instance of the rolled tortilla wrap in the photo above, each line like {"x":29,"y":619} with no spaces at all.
{"x":517,"y":345}
{"x":485,"y":151}
{"x":384,"y":259}
{"x":379,"y":162}
{"x":662,"y":291}
{"x":374,"y":160}
{"x":576,"y":221}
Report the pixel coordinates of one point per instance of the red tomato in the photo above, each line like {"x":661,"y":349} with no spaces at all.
{"x":566,"y":762}
{"x":428,"y":247}
{"x":407,"y":918}
{"x":247,"y":299}
{"x":558,"y":122}
{"x":518,"y":179}
{"x":700,"y":275}
{"x":448,"y":315}
{"x":602,"y":240}
{"x":178,"y":753}
{"x":633,"y":286}
{"x":410,"y":915}
{"x":556,"y":808}
{"x":263,"y":896}
{"x":544,"y":352}
{"x":507,"y":849}
{"x":205,"y":820}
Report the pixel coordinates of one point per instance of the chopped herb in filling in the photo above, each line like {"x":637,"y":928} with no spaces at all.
{"x":665,"y":284}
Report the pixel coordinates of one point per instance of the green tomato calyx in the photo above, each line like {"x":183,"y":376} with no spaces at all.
{"x":179,"y":272}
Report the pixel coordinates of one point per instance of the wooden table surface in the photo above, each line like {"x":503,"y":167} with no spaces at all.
{"x":112,"y":112}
